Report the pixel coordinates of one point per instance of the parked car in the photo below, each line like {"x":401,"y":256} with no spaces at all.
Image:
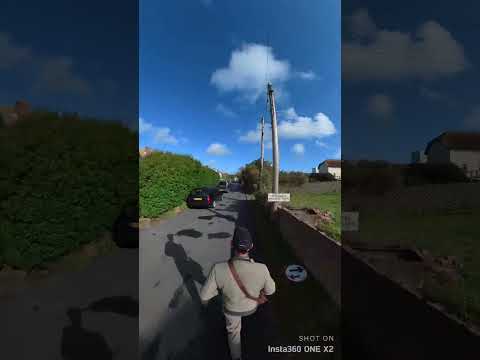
{"x":203,"y":198}
{"x":222,"y":186}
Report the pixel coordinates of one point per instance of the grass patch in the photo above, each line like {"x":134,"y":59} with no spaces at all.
{"x":303,"y":308}
{"x":326,"y":201}
{"x":442,"y":235}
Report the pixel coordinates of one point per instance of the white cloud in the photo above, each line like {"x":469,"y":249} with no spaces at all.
{"x":320,"y":144}
{"x":225,"y":110}
{"x":361,"y":24}
{"x":57,"y":76}
{"x":380,"y":106}
{"x":10,"y":53}
{"x":144,"y":126}
{"x":51,"y":74}
{"x":218,"y":149}
{"x":304,"y":127}
{"x":298,"y":149}
{"x":306,"y":75}
{"x":292,"y":127}
{"x":247,"y":71}
{"x":254,"y":136}
{"x":161,"y":135}
{"x":431,"y":94}
{"x":380,"y":54}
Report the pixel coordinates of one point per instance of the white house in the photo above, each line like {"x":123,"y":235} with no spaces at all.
{"x":459,"y":148}
{"x":419,"y":157}
{"x":333,"y":167}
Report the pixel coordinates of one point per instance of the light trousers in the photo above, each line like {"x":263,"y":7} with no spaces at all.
{"x":234,"y":327}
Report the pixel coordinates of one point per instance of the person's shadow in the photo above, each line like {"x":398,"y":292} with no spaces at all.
{"x":189,"y":269}
{"x":81,"y":344}
{"x":125,"y":230}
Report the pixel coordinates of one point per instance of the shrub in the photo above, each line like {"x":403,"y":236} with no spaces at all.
{"x":321,"y":177}
{"x":63,"y":182}
{"x":166,"y":179}
{"x":293,"y":178}
{"x":420,"y":174}
{"x":371,"y":177}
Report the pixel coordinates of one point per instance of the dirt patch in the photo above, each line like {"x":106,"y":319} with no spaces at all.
{"x":414,"y":269}
{"x":317,"y":218}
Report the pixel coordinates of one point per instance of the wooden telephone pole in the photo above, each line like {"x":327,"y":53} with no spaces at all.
{"x":261,"y":154}
{"x":276,"y":171}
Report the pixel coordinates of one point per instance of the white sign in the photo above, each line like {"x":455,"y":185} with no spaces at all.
{"x":272,"y":197}
{"x":350,"y":221}
{"x":296,"y":273}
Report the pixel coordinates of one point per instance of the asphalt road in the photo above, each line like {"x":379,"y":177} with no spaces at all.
{"x":175,"y":257}
{"x":88,"y":314}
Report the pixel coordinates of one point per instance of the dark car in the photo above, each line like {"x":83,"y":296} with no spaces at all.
{"x":203,"y":198}
{"x":222,"y":186}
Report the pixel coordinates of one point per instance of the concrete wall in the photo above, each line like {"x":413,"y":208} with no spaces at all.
{"x":320,"y":254}
{"x":383,"y":318}
{"x":468,"y":160}
{"x":393,"y":323}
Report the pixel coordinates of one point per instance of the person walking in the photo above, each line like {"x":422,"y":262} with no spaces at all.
{"x":243,"y":285}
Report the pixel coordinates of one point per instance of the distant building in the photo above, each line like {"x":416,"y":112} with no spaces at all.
{"x":419,"y":157}
{"x":9,"y":115}
{"x":459,"y":148}
{"x":146,"y":151}
{"x":333,"y":167}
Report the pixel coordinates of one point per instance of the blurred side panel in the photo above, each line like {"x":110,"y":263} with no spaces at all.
{"x":410,"y":173}
{"x":69,"y":179}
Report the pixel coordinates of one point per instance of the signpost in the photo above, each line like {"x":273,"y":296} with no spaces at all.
{"x":272,"y":197}
{"x":350,"y":221}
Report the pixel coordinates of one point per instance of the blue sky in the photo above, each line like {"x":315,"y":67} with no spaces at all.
{"x":77,"y":56}
{"x":410,"y":72}
{"x":203,"y":72}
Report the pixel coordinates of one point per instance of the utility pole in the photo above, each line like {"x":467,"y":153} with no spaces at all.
{"x":276,"y":171}
{"x":261,"y":154}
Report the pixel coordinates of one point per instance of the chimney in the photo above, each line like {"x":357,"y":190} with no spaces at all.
{"x":22,"y":108}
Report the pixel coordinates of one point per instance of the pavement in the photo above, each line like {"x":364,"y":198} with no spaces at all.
{"x":105,"y":311}
{"x":176,"y":256}
{"x":87,"y":314}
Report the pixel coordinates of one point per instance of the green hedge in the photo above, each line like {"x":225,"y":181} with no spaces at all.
{"x":63,"y":181}
{"x":166,"y":179}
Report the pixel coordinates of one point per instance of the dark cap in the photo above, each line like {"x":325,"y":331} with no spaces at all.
{"x":242,"y":240}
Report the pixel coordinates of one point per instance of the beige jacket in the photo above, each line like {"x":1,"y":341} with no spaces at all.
{"x":255,"y":277}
